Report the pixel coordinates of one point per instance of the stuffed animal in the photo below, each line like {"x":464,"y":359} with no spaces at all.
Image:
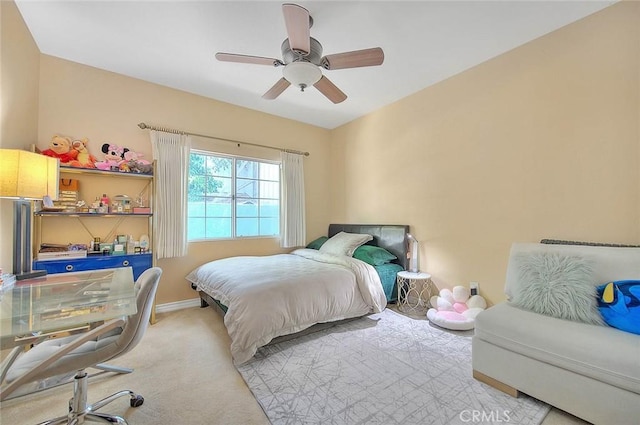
{"x":135,"y":156}
{"x":134,"y":163}
{"x":62,"y":148}
{"x":113,"y":157}
{"x":84,"y":158}
{"x":455,"y":309}
{"x":142,"y":168}
{"x":619,"y":304}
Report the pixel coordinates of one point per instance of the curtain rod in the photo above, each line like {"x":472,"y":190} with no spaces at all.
{"x":168,"y":130}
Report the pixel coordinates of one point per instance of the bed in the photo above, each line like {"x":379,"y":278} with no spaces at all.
{"x":268,"y":297}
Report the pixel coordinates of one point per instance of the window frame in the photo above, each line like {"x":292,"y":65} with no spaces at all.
{"x":233,"y":198}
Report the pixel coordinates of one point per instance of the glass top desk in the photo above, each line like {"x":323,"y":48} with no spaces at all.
{"x":65,"y":301}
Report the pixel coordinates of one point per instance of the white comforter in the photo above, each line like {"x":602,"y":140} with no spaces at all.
{"x":286,"y":293}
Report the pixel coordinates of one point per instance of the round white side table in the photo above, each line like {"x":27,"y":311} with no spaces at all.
{"x":414,"y":292}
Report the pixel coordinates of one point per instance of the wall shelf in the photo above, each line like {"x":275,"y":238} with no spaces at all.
{"x":65,"y":227}
{"x":89,"y":171}
{"x":87,"y":214}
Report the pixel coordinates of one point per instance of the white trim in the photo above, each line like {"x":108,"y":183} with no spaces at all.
{"x":178,"y":305}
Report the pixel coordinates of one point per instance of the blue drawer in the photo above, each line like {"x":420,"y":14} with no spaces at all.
{"x":139,"y":263}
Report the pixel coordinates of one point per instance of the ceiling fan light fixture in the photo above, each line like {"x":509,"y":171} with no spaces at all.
{"x":302,"y":74}
{"x":302,"y":59}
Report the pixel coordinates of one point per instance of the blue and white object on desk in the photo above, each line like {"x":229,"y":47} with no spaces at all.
{"x":7,"y":281}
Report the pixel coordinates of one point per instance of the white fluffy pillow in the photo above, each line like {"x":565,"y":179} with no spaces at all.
{"x":344,"y":243}
{"x":557,"y":285}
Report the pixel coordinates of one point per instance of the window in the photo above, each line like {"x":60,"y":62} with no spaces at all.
{"x":232,"y":197}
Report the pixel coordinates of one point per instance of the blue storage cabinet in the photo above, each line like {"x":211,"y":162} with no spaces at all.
{"x":139,"y":263}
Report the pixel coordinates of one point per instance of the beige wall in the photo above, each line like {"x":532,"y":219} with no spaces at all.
{"x":82,"y":101}
{"x":19,"y":74}
{"x":541,"y":142}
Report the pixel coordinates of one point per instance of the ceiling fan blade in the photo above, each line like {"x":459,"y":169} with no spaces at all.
{"x":355,"y":59}
{"x":258,"y":60}
{"x":296,"y":18}
{"x":327,"y":88}
{"x":277,"y":89}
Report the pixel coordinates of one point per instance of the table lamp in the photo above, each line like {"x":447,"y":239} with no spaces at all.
{"x":413,"y":252}
{"x":26,"y":176}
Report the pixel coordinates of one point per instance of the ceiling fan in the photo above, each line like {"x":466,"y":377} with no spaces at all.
{"x":302,"y":58}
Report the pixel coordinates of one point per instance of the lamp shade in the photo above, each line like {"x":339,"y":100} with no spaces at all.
{"x":302,"y":74}
{"x":28,"y":175}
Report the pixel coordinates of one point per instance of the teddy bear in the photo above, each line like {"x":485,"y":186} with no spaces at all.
{"x":455,"y":309}
{"x":62,"y":148}
{"x":84,"y":158}
{"x":113,"y":157}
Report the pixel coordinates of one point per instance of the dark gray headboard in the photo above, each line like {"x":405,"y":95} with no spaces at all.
{"x":392,"y":237}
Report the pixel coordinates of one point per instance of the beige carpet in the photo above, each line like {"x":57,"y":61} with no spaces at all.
{"x":183,"y":369}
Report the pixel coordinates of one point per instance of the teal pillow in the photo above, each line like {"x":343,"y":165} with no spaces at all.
{"x":373,"y":255}
{"x":316,"y":244}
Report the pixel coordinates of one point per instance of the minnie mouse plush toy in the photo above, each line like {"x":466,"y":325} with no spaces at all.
{"x":113,"y":157}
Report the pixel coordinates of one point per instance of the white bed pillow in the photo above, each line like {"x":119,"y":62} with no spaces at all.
{"x":344,"y":243}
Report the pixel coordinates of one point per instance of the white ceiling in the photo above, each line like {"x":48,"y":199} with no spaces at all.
{"x":173,"y":43}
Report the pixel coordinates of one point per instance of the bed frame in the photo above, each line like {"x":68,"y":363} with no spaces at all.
{"x":392,"y":237}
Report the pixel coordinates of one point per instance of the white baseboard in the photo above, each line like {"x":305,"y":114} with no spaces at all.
{"x":178,"y":305}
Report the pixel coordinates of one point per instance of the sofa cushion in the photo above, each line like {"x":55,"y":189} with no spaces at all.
{"x":602,"y":353}
{"x":557,"y":285}
{"x":608,"y":263}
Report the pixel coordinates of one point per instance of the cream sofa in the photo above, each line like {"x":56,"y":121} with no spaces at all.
{"x":590,"y":371}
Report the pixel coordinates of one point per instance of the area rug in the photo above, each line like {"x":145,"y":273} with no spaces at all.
{"x":386,"y":369}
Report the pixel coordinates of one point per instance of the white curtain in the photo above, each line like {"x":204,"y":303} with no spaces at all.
{"x":293,"y":217}
{"x":171,"y":152}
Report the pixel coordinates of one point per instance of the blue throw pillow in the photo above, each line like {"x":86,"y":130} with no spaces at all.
{"x":619,"y":304}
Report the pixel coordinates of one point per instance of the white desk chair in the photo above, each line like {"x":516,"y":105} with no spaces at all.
{"x":78,"y":352}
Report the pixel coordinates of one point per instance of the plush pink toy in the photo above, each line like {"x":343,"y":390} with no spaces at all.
{"x":136,"y":157}
{"x":113,"y":157}
{"x":455,"y":309}
{"x":133,"y":163}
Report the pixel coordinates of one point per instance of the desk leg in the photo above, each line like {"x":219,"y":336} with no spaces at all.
{"x":152,"y":318}
{"x":115,"y":369}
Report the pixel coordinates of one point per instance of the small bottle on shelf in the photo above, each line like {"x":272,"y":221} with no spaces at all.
{"x":130,"y":245}
{"x":144,"y":243}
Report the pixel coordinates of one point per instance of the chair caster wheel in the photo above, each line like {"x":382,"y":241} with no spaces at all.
{"x":136,"y":401}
